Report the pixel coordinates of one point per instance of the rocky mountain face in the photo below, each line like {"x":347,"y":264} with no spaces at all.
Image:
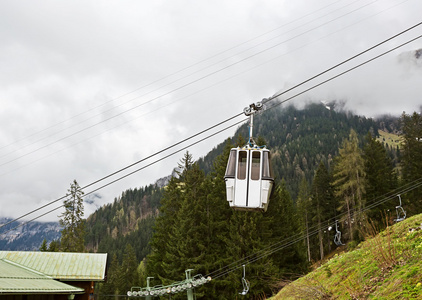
{"x":27,"y":237}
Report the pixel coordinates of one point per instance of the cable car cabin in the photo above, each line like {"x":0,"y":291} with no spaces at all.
{"x":249,"y":179}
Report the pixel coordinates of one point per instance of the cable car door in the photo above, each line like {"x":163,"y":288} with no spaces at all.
{"x":254,"y":186}
{"x":241,"y":188}
{"x":248,"y":183}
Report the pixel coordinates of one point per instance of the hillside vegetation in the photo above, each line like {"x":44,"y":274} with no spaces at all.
{"x":389,"y":139}
{"x":328,"y":167}
{"x":299,"y":139}
{"x":385,"y":266}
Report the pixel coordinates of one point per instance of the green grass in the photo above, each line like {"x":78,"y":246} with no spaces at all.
{"x":391,"y":139}
{"x":386,"y":266}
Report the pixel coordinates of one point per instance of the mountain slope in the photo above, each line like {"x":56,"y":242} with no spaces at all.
{"x":28,"y":237}
{"x":386,"y":266}
{"x":129,"y":219}
{"x":300,"y":139}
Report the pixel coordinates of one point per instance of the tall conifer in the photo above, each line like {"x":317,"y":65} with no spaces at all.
{"x":412,"y":155}
{"x":349,"y":182}
{"x":303,"y":204}
{"x":73,"y":233}
{"x":322,"y":204}
{"x":380,"y":177}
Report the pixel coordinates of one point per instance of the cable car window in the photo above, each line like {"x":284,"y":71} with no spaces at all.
{"x":241,"y":169}
{"x":266,"y":166}
{"x":231,"y":165}
{"x":256,"y":163}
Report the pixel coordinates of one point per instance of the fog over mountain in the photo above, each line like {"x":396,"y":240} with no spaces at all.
{"x":89,"y":88}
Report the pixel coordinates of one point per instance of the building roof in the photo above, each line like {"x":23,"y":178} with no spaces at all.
{"x":17,"y":279}
{"x":65,"y":266}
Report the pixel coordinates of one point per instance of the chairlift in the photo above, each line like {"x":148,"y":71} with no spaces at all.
{"x":401,"y":214}
{"x":249,"y":178}
{"x":245,"y":284}
{"x":337,"y":236}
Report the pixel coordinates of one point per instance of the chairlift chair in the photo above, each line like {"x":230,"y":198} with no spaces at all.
{"x":337,"y":236}
{"x":401,"y":213}
{"x":245,"y":284}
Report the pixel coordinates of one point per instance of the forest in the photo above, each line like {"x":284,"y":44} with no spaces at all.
{"x":329,"y":166}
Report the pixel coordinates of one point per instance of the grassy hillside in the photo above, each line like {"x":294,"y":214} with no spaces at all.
{"x":385,"y":266}
{"x":393,"y":140}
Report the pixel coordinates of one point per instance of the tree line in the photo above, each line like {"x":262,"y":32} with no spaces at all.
{"x":192,"y":226}
{"x":196,"y":229}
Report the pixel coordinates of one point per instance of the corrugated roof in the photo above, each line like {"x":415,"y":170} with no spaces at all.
{"x":62,"y":265}
{"x":17,"y":279}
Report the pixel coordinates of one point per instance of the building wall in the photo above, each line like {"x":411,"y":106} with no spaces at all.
{"x":34,"y":297}
{"x":88,"y":286}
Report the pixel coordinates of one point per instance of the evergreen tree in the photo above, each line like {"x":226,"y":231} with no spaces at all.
{"x":43,"y":246}
{"x":284,"y":224}
{"x":190,"y":234}
{"x":162,"y":241}
{"x":54,"y":246}
{"x":177,"y":227}
{"x":112,"y":284}
{"x":303,"y":213}
{"x":380,"y":177}
{"x":73,"y":233}
{"x":250,"y":232}
{"x":218,"y":214}
{"x":128,"y":271}
{"x":323,"y":204}
{"x":412,"y":155}
{"x":349,"y":182}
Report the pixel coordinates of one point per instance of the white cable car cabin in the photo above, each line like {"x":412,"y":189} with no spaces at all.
{"x":249,"y":178}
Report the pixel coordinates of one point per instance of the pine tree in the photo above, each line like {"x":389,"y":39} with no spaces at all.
{"x":284,"y":224}
{"x":43,"y":246}
{"x":303,"y":213}
{"x":173,"y":249}
{"x":112,"y":285}
{"x":162,"y":242}
{"x":128,"y":271}
{"x":191,"y":232}
{"x":218,"y":214}
{"x":349,"y":182}
{"x":250,"y":232}
{"x":322,"y":203}
{"x":412,"y":155}
{"x":380,"y":176}
{"x":73,"y":233}
{"x":54,"y":246}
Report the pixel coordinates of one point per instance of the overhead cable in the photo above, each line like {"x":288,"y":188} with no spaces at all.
{"x":268,"y":99}
{"x":275,"y":247}
{"x":176,"y":72}
{"x":177,"y":88}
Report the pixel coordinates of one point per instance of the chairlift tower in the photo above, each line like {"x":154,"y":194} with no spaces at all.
{"x":187,"y":285}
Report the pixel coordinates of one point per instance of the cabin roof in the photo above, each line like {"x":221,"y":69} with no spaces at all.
{"x":65,"y":266}
{"x":18,"y":279}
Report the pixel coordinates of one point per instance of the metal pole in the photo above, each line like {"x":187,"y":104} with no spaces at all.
{"x":189,"y":291}
{"x":148,"y":288}
{"x":251,"y":130}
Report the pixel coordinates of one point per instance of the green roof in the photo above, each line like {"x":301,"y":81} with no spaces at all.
{"x":17,"y":279}
{"x":65,"y":266}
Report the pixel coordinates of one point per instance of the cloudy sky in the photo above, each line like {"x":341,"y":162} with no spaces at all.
{"x":89,"y":87}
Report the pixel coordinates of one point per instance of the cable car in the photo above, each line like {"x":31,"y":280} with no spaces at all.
{"x":248,"y":176}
